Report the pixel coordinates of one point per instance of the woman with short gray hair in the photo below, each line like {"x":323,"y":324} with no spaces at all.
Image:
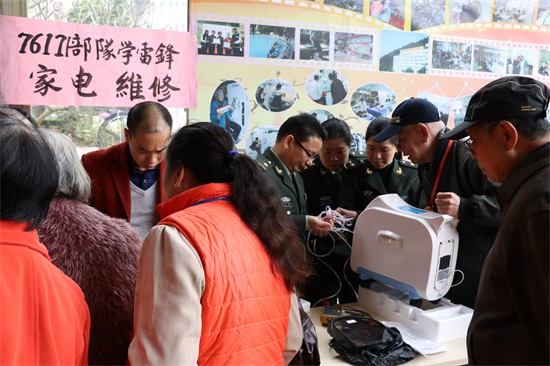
{"x":98,"y":252}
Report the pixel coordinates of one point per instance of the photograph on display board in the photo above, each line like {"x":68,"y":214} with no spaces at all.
{"x":451,"y":55}
{"x":358,"y":142}
{"x":544,"y":61}
{"x":459,"y":108}
{"x":489,"y":59}
{"x":220,"y":38}
{"x":321,"y":114}
{"x":469,"y":11}
{"x":521,"y":61}
{"x":275,"y":95}
{"x":388,"y":11}
{"x":260,"y":139}
{"x":373,"y":100}
{"x":404,"y":52}
{"x":377,"y":7}
{"x":327,"y":87}
{"x":268,"y":41}
{"x":427,"y":14}
{"x":353,"y":48}
{"x":514,"y":11}
{"x":353,"y":5}
{"x":380,"y":9}
{"x":543,"y":13}
{"x":314,"y":45}
{"x":364,"y":50}
{"x":229,"y":108}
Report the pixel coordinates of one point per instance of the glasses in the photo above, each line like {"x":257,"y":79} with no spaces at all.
{"x":486,"y":126}
{"x":310,"y":156}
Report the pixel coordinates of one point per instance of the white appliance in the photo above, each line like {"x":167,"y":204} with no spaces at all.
{"x":406,"y":248}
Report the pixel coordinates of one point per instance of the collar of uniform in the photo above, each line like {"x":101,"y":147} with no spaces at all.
{"x":393,"y":166}
{"x":279,"y":163}
{"x":350,"y":164}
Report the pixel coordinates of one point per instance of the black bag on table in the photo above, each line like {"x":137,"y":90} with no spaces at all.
{"x":362,"y":340}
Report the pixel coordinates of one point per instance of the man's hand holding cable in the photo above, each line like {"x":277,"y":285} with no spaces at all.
{"x":320,"y":226}
{"x":348,"y":214}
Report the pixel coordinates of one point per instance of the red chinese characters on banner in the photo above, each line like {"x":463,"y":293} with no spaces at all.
{"x":46,"y":62}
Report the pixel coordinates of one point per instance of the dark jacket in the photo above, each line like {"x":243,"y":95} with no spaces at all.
{"x":479,"y":213}
{"x":337,"y":91}
{"x":322,"y":186}
{"x":100,"y":254}
{"x":293,"y":197}
{"x":364,"y":183}
{"x":510,"y":324}
{"x":329,"y":256}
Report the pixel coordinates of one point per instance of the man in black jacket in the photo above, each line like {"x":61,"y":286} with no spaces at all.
{"x":450,"y":183}
{"x":510,"y":139}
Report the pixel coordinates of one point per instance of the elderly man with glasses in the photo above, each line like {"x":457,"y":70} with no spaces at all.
{"x":449,"y":182}
{"x":509,"y":136}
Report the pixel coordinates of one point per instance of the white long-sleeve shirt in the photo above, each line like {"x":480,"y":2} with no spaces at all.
{"x":314,"y":90}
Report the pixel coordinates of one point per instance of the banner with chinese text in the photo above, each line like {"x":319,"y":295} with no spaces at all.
{"x":47,"y":62}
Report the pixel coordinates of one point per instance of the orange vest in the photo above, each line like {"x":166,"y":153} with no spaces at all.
{"x":245,"y":305}
{"x":44,"y":319}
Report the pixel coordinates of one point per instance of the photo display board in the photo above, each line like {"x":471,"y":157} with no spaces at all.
{"x":263,"y":61}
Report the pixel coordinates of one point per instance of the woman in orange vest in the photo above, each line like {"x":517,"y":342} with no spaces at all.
{"x":216,"y":275}
{"x":44,"y":319}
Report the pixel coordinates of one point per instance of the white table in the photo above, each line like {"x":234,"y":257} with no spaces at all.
{"x":457,"y":354}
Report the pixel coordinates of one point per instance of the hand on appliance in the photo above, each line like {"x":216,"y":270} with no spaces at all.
{"x":448,"y":203}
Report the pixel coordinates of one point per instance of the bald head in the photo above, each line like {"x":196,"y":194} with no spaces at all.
{"x":435,"y":128}
{"x":148,"y":117}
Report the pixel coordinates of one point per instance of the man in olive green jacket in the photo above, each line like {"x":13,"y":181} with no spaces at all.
{"x":299,"y":140}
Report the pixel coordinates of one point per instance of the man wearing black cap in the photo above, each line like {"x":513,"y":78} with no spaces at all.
{"x":510,"y":139}
{"x":451,"y":183}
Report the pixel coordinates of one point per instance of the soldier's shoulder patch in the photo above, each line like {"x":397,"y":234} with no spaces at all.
{"x":311,"y":167}
{"x":353,"y":164}
{"x":407,"y":164}
{"x":264,"y":164}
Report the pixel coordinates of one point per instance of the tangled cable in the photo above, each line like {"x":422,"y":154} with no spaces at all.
{"x":340,"y":223}
{"x":340,"y":226}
